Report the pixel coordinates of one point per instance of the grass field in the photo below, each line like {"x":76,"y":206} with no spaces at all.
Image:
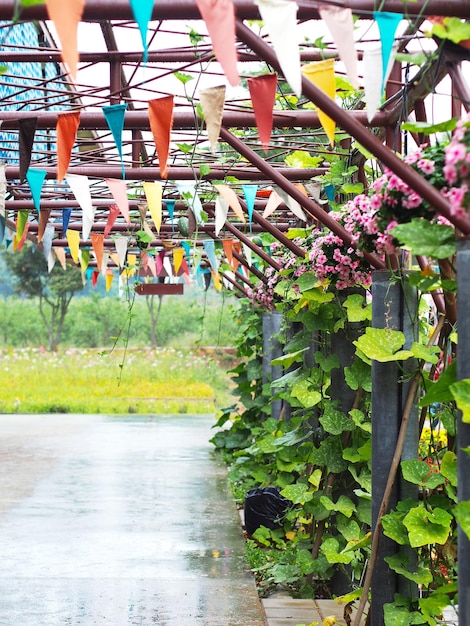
{"x":141,"y":381}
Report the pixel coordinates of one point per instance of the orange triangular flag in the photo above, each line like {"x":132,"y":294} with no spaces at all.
{"x":237,"y":247}
{"x":263,"y":96}
{"x":118,"y":188}
{"x":97,"y":241}
{"x":60,"y":254}
{"x":178,"y":254}
{"x":219,"y":16}
{"x":66,"y":128}
{"x":66,"y":16}
{"x":228,"y":249}
{"x":322,"y":74}
{"x":161,"y":123}
{"x":43,"y":219}
{"x":73,"y":239}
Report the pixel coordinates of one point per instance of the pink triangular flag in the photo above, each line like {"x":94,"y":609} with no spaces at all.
{"x":341,"y":26}
{"x":280,"y":19}
{"x":113,"y":213}
{"x":159,"y":262}
{"x":263,"y":96}
{"x":231,"y":197}
{"x":66,"y":17}
{"x":219,"y":16}
{"x":212,"y":104}
{"x":118,"y":189}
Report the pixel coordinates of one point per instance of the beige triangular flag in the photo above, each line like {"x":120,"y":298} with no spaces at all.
{"x":61,"y":255}
{"x":212,"y":104}
{"x":153,"y":193}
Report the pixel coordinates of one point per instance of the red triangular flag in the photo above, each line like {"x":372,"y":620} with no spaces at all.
{"x":113,"y":213}
{"x":263,"y":96}
{"x":161,"y":123}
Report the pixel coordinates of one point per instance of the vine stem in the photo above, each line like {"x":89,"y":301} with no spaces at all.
{"x":391,"y":480}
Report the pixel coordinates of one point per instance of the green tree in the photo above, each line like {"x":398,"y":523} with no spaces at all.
{"x":54,"y":290}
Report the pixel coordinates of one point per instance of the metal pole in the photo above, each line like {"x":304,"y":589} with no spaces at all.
{"x":463,"y":429}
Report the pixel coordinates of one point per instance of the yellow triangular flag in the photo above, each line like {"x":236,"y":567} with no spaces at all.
{"x":216,"y":279}
{"x":73,"y":239}
{"x":153,"y":193}
{"x":109,"y":279}
{"x":322,"y":74}
{"x":178,"y":254}
{"x":231,"y":197}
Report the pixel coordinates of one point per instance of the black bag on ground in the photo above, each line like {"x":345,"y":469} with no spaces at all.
{"x":264,"y":507}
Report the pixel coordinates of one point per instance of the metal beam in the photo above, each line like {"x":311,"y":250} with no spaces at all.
{"x":97,"y":10}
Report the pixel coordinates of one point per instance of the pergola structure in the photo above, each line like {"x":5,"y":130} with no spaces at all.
{"x":181,"y":62}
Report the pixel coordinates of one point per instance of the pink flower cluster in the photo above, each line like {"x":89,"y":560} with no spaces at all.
{"x":457,"y":168}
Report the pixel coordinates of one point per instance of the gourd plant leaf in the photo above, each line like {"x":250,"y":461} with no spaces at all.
{"x":462,"y":514}
{"x":358,"y":375}
{"x":461,"y":394}
{"x":335,"y":422}
{"x":305,"y":394}
{"x":419,"y":473}
{"x":440,"y":391}
{"x":427,"y":527}
{"x":327,"y":363}
{"x":330,"y":548}
{"x":357,"y":309}
{"x":400,"y":564}
{"x":426,"y":239}
{"x":298,"y":493}
{"x":393,"y":527}
{"x":343,"y":505}
{"x":383,"y":345}
{"x":425,"y":353}
{"x":449,"y":467}
{"x":288,"y":359}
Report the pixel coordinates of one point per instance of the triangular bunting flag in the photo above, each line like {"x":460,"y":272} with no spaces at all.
{"x":51,"y":261}
{"x":212,"y":104}
{"x":47,"y":240}
{"x":280,"y":19}
{"x":26,"y":143}
{"x":109,"y":279}
{"x":73,"y":239}
{"x":209,"y":247}
{"x":118,"y":189}
{"x":153,"y":193}
{"x":219,"y":16}
{"x":61,"y":255}
{"x":167,"y":268}
{"x":121,"y":244}
{"x":84,"y":256}
{"x":322,"y":74}
{"x":263,"y":96}
{"x":216,"y":279}
{"x":373,"y":91}
{"x":66,"y":16}
{"x":97,"y":242}
{"x":388,"y":24}
{"x":104,"y":265}
{"x":20,"y":243}
{"x":159,"y":262}
{"x":81,"y":190}
{"x":94,"y":278}
{"x":43,"y":219}
{"x":142,"y":11}
{"x":231,"y":197}
{"x":113,"y":213}
{"x":21,"y":220}
{"x":197,"y":256}
{"x":249,"y":191}
{"x":247,"y":251}
{"x":237,"y":247}
{"x":273,"y":202}
{"x":170,"y":207}
{"x":194,"y":202}
{"x":114,"y":114}
{"x":178,"y":254}
{"x":221,"y":210}
{"x":66,"y":213}
{"x":35,"y":180}
{"x":293,"y":205}
{"x":161,"y":123}
{"x":341,"y":26}
{"x":66,"y":129}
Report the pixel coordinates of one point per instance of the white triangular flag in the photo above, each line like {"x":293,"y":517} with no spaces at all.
{"x":341,"y":26}
{"x":81,"y":190}
{"x":293,"y":205}
{"x":121,"y":244}
{"x":221,"y":210}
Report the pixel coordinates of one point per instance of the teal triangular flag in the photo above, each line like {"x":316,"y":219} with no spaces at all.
{"x":35,"y":180}
{"x":209,"y":247}
{"x":2,"y":227}
{"x":114,"y":114}
{"x":249,"y":191}
{"x":142,"y":10}
{"x":187,"y":248}
{"x":388,"y":24}
{"x":170,"y":205}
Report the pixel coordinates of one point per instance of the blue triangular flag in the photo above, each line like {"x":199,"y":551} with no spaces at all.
{"x":209,"y":247}
{"x":142,"y":10}
{"x":114,"y":114}
{"x":170,"y":205}
{"x":66,"y":213}
{"x":388,"y":24}
{"x":249,"y":191}
{"x":330,"y":192}
{"x":35,"y":180}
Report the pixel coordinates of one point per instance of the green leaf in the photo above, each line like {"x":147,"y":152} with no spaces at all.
{"x":418,"y":473}
{"x":427,"y":527}
{"x":182,"y":77}
{"x":204,"y":169}
{"x":400,"y":616}
{"x":383,"y":344}
{"x":335,"y":422}
{"x":304,"y":393}
{"x":430,"y":129}
{"x":453,"y":29}
{"x":330,"y":548}
{"x":359,"y":375}
{"x":400,"y":564}
{"x":358,"y":310}
{"x":327,"y":363}
{"x":355,"y":188}
{"x":343,"y":505}
{"x":359,"y":420}
{"x":315,"y":478}
{"x":461,"y":394}
{"x":416,"y":58}
{"x":449,"y":467}
{"x":430,"y":354}
{"x":302,"y":159}
{"x":186,"y":148}
{"x":30,"y":3}
{"x":433,"y":605}
{"x":440,"y":391}
{"x":287,"y":359}
{"x":426,"y":239}
{"x":358,"y":544}
{"x":349,"y":528}
{"x":393,"y":527}
{"x":462,"y":514}
{"x":298,"y":493}
{"x":306,"y":281}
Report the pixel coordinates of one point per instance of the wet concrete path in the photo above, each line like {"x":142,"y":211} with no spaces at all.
{"x":116,"y":521}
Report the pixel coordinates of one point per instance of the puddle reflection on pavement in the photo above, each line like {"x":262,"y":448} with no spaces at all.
{"x":132,"y":525}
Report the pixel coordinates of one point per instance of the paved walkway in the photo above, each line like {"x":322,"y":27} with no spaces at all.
{"x":114,"y":521}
